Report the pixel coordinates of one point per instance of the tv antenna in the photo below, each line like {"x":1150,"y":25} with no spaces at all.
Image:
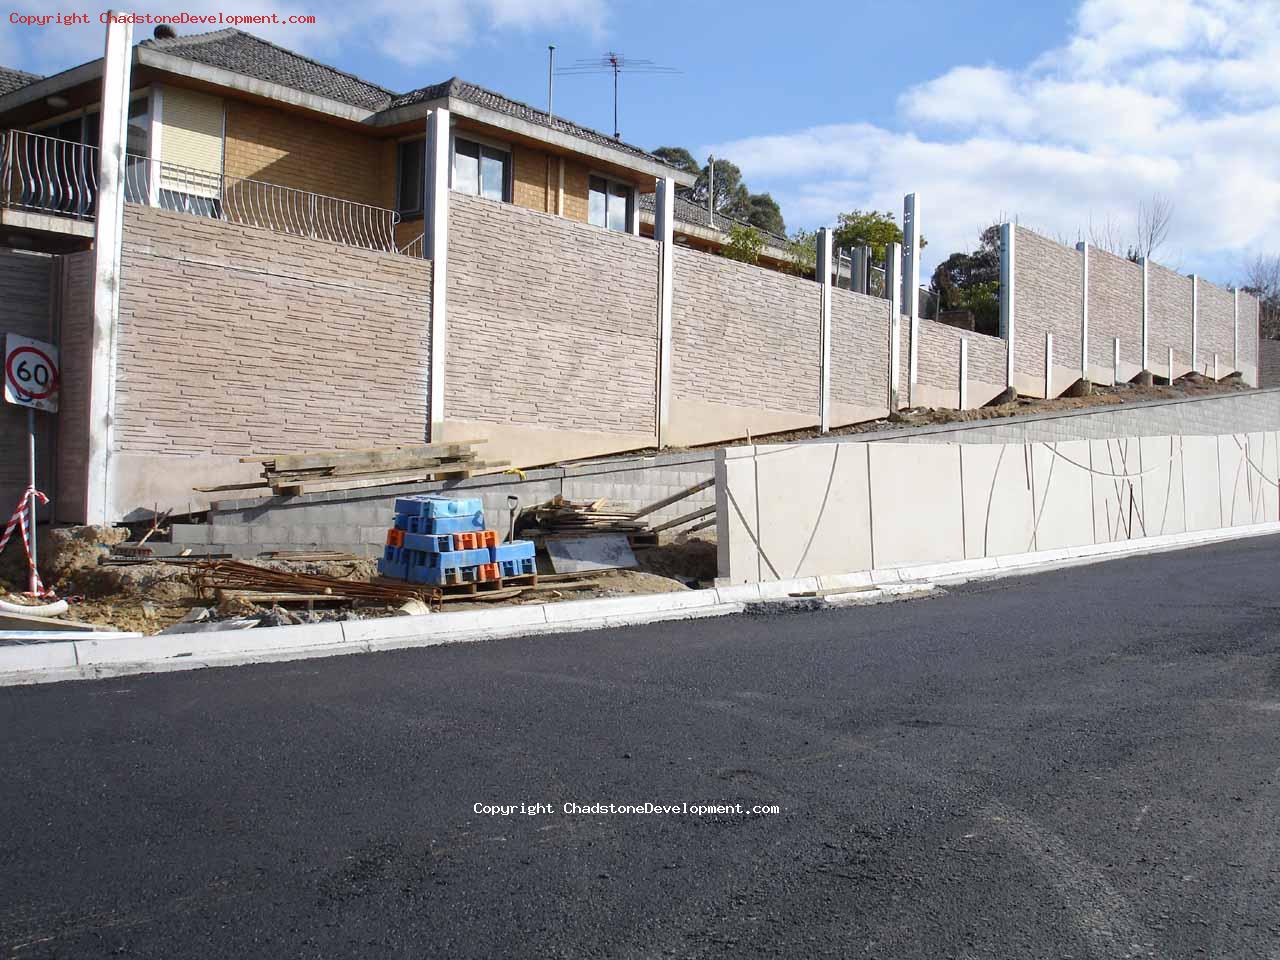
{"x":617,"y":64}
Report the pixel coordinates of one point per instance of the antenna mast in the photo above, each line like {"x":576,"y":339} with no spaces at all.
{"x":616,"y":64}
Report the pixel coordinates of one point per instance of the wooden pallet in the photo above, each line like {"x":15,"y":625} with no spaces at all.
{"x":471,"y":589}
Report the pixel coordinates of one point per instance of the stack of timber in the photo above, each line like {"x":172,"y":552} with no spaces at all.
{"x":291,"y":474}
{"x":559,"y":517}
{"x":216,"y":577}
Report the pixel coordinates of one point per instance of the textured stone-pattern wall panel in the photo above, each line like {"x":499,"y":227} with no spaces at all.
{"x":1047,"y":294}
{"x":1250,"y":316}
{"x":1115,"y":308}
{"x":1169,"y":315}
{"x":939,"y":362}
{"x":75,"y":332}
{"x":551,"y":323}
{"x":291,"y":150}
{"x":235,"y":340}
{"x":904,"y":360}
{"x":1269,"y":363}
{"x":744,"y":335}
{"x":1216,"y":325}
{"x":24,"y":292}
{"x":859,"y":349}
{"x":988,"y":359}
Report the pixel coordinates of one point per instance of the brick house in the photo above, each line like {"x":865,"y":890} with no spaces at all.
{"x":215,"y":112}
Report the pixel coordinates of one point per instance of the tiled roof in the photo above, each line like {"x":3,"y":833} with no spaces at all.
{"x":696,"y":214}
{"x":246,"y":54}
{"x":11,"y":80}
{"x":462,"y":90}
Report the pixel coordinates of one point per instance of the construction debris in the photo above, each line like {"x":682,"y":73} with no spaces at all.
{"x":216,"y":576}
{"x":292,"y":474}
{"x":585,"y":554}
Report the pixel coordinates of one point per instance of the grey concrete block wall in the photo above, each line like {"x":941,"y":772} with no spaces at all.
{"x":25,"y":280}
{"x":1269,"y":363}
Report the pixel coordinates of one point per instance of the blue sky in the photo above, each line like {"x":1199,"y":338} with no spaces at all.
{"x":1062,"y":115}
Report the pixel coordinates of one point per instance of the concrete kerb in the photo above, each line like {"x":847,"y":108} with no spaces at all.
{"x":91,"y":659}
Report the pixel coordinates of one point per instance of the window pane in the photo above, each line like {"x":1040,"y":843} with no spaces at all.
{"x":618,"y":206}
{"x":410,"y":160}
{"x":493,"y":174}
{"x":466,"y":167}
{"x":597,"y":203}
{"x":139,"y":128}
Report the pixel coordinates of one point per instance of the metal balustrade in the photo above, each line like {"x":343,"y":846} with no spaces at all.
{"x":58,"y":177}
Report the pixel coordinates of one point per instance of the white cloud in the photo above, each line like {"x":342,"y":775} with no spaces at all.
{"x":1145,"y":96}
{"x":407,"y":32}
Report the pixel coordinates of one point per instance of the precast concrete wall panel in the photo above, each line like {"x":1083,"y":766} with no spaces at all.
{"x":859,"y":357}
{"x":1047,"y":299}
{"x":916,"y":505}
{"x":1169,"y":318}
{"x":999,"y":511}
{"x":1062,"y":484}
{"x":1115,"y":310}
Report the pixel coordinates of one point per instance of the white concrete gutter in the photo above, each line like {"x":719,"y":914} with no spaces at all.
{"x":95,"y":656}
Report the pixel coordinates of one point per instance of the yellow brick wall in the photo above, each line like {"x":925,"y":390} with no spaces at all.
{"x":529,"y":180}
{"x":294,"y":151}
{"x":575,"y":191}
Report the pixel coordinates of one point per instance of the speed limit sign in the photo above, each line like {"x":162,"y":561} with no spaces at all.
{"x":30,"y":373}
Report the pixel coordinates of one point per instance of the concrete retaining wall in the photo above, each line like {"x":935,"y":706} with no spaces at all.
{"x":552,"y":352}
{"x":813,"y":509}
{"x":356,"y":521}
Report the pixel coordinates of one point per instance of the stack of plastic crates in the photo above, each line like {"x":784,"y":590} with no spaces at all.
{"x":443,"y":541}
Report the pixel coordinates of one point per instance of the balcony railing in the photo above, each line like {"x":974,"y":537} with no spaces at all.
{"x":45,"y":175}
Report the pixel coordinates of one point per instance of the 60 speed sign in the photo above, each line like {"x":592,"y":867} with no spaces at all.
{"x":30,"y":373}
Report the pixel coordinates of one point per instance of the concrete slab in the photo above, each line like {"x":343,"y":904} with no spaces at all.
{"x":916,"y":506}
{"x":1201,"y":483}
{"x":1162,"y":507}
{"x":998,"y":510}
{"x":1062,"y":485}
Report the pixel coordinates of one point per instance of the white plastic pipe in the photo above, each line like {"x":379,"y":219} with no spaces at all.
{"x":38,"y":610}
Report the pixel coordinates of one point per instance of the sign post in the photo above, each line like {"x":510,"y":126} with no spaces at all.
{"x":30,"y":380}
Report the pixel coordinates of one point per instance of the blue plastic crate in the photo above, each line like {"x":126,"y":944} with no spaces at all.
{"x":455,"y":566}
{"x":422,"y":505}
{"x":429,"y":542}
{"x":515,"y":550}
{"x":394,"y":563}
{"x":518,"y":568}
{"x":401,"y":521}
{"x":439,"y":525}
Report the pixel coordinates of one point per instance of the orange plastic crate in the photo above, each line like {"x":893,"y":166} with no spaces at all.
{"x":475,"y":540}
{"x":488,"y":571}
{"x":395,"y":538}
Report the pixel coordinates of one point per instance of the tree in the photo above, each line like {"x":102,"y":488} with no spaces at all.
{"x":732,"y":198}
{"x":678,"y":157}
{"x":971,"y":281}
{"x":745,"y":244}
{"x":766,"y":214}
{"x":1262,"y":279}
{"x":869,"y":228}
{"x":1151,"y":230}
{"x":802,"y":253}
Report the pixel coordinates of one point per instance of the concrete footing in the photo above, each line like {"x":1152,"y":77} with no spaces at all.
{"x":1081,"y":388}
{"x":1145,"y":378}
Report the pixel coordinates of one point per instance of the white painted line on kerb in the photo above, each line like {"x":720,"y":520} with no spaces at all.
{"x":89,"y":658}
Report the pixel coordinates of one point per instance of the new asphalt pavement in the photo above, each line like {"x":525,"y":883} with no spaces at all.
{"x":1079,"y":764}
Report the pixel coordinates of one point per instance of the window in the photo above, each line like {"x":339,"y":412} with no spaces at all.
{"x":410,"y":160}
{"x":610,"y":204}
{"x":481,"y":170}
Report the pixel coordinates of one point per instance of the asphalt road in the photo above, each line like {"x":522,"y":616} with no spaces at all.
{"x":1079,"y":764}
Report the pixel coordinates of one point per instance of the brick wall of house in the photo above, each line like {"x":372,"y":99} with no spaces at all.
{"x":529,"y":179}
{"x":295,"y":151}
{"x":1115,"y":309}
{"x":1169,"y":316}
{"x":552,"y":324}
{"x":1215,"y":327}
{"x":24,"y":291}
{"x":1047,"y":290}
{"x":575,"y":190}
{"x":743,"y":335}
{"x":859,"y":350}
{"x":235,"y":340}
{"x":74,"y":279}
